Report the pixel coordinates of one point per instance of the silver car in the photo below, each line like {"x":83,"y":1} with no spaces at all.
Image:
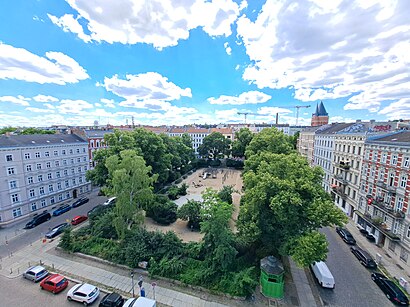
{"x":35,"y":273}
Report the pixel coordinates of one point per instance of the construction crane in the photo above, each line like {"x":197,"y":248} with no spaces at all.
{"x":297,"y":111}
{"x":249,"y":113}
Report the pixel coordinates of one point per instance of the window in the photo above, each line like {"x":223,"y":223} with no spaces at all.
{"x":38,"y":155}
{"x":49,"y":176}
{"x":9,"y":158}
{"x":406,"y":162}
{"x":400,"y":202}
{"x":404,"y":254}
{"x":78,"y":150}
{"x":72,"y":171}
{"x":403,"y":181}
{"x":80,"y":179}
{"x":408,"y":232}
{"x":67,"y":195}
{"x":83,"y":149}
{"x":14,"y":198}
{"x":38,"y":165}
{"x":10,"y":171}
{"x":384,"y":157}
{"x":59,"y":186}
{"x":58,"y":174}
{"x":52,"y":200}
{"x":394,"y":160}
{"x":33,"y":206}
{"x":73,"y":180}
{"x":64,"y":162}
{"x":60,"y":197}
{"x":392,"y":245}
{"x":56,"y":152}
{"x":79,"y":169}
{"x":67,"y":184}
{"x":46,"y":154}
{"x":32,"y":193}
{"x":65,"y":172}
{"x":85,"y":159}
{"x":16,"y":212}
{"x":13,"y":184}
{"x":30,"y":180}
{"x":40,"y":178}
{"x":48,"y":164}
{"x":27,"y":156}
{"x":85,"y":168}
{"x":41,"y":191}
{"x":43,"y":203}
{"x":63,"y":152}
{"x":50,"y":188}
{"x":78,"y":159}
{"x":57,"y":163}
{"x":391,"y":179}
{"x":28,"y":168}
{"x":72,"y":161}
{"x":71,"y":151}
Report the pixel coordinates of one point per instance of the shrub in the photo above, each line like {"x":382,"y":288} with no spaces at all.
{"x":226,"y":194}
{"x":66,"y":242}
{"x":162,"y":210}
{"x":182,"y":190}
{"x":178,"y":181}
{"x":191,"y":212}
{"x":173,"y":192}
{"x":240,"y":283}
{"x":238,"y":164}
{"x":214,"y":163}
{"x":166,"y":267}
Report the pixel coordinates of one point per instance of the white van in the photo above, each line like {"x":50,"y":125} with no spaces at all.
{"x":323,"y":275}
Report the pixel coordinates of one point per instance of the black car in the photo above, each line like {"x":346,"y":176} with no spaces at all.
{"x":392,"y":291}
{"x":363,"y":257}
{"x":112,"y":300}
{"x":80,"y":201}
{"x":55,"y":231}
{"x":38,"y":219}
{"x":346,"y":235}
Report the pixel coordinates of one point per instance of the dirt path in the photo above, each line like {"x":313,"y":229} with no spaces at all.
{"x":197,"y":185}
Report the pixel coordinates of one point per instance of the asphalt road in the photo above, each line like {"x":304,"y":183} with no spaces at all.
{"x":22,"y":292}
{"x":354,"y":286}
{"x":28,"y":236}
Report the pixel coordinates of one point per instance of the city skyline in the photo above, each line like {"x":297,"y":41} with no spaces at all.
{"x":183,"y":62}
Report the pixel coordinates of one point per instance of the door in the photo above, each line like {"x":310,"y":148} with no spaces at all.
{"x":75,"y":193}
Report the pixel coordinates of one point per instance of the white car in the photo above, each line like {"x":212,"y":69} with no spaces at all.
{"x":140,"y":302}
{"x":110,"y":201}
{"x":83,"y":293}
{"x":35,"y":273}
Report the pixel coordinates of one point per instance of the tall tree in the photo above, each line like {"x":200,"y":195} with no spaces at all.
{"x":213,"y":145}
{"x":242,"y":139}
{"x":131,"y":183}
{"x":36,"y":131}
{"x":271,"y":140}
{"x":284,"y":205}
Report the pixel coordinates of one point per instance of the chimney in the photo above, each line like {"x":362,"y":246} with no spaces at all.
{"x":277,"y":118}
{"x":8,"y":134}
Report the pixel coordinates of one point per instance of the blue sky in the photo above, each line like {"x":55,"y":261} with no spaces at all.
{"x":178,"y":62}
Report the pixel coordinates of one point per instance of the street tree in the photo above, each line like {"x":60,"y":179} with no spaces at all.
{"x":271,"y":140}
{"x":214,"y":145}
{"x":284,"y":205}
{"x":131,"y":183}
{"x":242,"y":139}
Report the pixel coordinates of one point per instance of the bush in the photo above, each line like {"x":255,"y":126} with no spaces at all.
{"x":191,"y":212}
{"x":173,"y":192}
{"x":240,"y":283}
{"x":226,"y":194}
{"x":162,"y":210}
{"x":214,"y":163}
{"x":66,"y":241}
{"x":182,"y":190}
{"x":237,"y":164}
{"x":178,"y":181}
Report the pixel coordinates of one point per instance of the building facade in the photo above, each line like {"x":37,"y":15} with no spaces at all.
{"x":39,"y":172}
{"x":320,"y":117}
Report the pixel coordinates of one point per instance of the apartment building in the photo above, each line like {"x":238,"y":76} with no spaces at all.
{"x":95,"y":140}
{"x":383,"y":208}
{"x":306,"y":143}
{"x":40,"y":171}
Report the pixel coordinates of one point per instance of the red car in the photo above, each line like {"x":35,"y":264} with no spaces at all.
{"x":78,"y":219}
{"x":54,"y":283}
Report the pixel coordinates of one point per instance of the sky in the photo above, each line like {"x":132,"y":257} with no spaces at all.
{"x":176,"y":62}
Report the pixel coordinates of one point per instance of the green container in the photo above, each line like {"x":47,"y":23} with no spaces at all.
{"x":271,"y":280}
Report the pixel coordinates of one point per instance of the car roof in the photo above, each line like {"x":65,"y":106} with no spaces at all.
{"x":55,"y":278}
{"x":58,"y":226}
{"x":36,"y":269}
{"x":86,"y":288}
{"x":78,"y":217}
{"x":112,"y":297}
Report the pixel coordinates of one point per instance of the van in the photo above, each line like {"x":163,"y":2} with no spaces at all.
{"x":323,"y":274}
{"x":38,"y":219}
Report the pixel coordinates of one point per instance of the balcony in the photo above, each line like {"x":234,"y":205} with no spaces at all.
{"x":376,"y":222}
{"x":341,"y":178}
{"x":386,"y":208}
{"x":384,"y":186}
{"x":344,"y":165}
{"x":339,"y":190}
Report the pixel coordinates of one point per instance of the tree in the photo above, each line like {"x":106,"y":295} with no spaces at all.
{"x":242,"y":139}
{"x":226,"y":193}
{"x":284,"y":205}
{"x":271,"y":140}
{"x":36,"y":131}
{"x":191,"y":212}
{"x":130,"y":181}
{"x":7,"y":129}
{"x":294,"y":139}
{"x":214,"y":145}
{"x":162,"y":210}
{"x":66,"y":242}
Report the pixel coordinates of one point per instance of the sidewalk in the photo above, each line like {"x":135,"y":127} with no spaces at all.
{"x":389,"y":264}
{"x":13,"y":267}
{"x":304,"y":290}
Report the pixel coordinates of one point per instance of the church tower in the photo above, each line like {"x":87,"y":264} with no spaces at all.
{"x":320,"y":117}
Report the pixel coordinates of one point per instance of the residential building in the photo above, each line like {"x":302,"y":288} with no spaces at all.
{"x":40,"y":171}
{"x":95,"y":140}
{"x":320,"y":117}
{"x":306,"y":143}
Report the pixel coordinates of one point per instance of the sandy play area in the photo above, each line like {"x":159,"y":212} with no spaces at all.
{"x":196,"y":185}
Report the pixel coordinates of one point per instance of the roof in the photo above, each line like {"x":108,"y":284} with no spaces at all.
{"x":86,"y":288}
{"x":39,"y":140}
{"x":392,"y":138}
{"x":222,"y":130}
{"x":320,"y":110}
{"x":197,"y":130}
{"x":333,"y":128}
{"x":97,"y":133}
{"x":36,"y":269}
{"x":272,"y":265}
{"x":177,"y":130}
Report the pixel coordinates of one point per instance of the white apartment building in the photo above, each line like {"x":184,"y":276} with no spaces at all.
{"x":37,"y":172}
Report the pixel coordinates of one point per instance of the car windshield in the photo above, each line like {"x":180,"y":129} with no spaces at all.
{"x":93,"y":292}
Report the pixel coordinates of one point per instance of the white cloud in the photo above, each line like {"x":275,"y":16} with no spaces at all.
{"x":145,"y":91}
{"x":251,"y":97}
{"x":68,"y":106}
{"x":109,"y":103}
{"x":237,"y":67}
{"x":39,"y":110}
{"x":331,"y":49}
{"x":227,"y":48}
{"x":55,"y":67}
{"x":21,"y":100}
{"x":98,"y":105}
{"x":161,"y":23}
{"x":49,"y":106}
{"x":397,"y":110}
{"x":44,"y":98}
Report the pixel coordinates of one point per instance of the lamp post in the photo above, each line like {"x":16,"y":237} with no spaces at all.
{"x":132,"y":281}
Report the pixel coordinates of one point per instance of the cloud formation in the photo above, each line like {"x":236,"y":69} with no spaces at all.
{"x":161,"y":23}
{"x":20,"y":100}
{"x":55,"y":67}
{"x":251,"y":97}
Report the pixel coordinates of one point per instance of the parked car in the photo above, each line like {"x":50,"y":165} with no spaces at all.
{"x":323,"y":274}
{"x":364,"y":232}
{"x":78,"y":219}
{"x":62,"y":209}
{"x":83,"y":293}
{"x":140,"y":302}
{"x":371,"y":238}
{"x":392,"y":291}
{"x":35,"y":273}
{"x":55,"y":231}
{"x":110,"y":201}
{"x":363,"y":257}
{"x":112,"y":300}
{"x":95,"y":210}
{"x":54,"y":283}
{"x":38,"y":219}
{"x":346,"y":235}
{"x":80,"y":201}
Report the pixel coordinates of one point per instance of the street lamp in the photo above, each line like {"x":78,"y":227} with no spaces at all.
{"x":132,"y":281}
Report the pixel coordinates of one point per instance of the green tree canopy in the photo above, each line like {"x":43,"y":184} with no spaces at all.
{"x":7,"y":129}
{"x":271,"y":140}
{"x":191,"y":212}
{"x":242,"y":139}
{"x":213,"y":145}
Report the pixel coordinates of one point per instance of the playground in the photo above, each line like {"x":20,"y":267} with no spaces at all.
{"x":198,"y":182}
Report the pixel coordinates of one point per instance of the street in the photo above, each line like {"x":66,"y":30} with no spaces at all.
{"x":22,"y":292}
{"x":27,"y":236}
{"x":354,"y":286}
